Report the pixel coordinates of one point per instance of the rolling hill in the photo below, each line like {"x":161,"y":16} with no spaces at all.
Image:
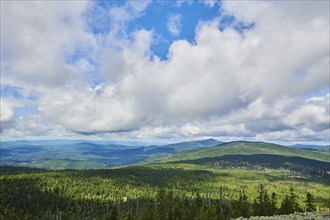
{"x":182,"y":146}
{"x":256,"y":156}
{"x":68,"y":154}
{"x":62,"y":154}
{"x":207,"y":179}
{"x":311,"y":146}
{"x":247,"y":148}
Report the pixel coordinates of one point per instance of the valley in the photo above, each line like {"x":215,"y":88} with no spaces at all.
{"x":216,"y":181}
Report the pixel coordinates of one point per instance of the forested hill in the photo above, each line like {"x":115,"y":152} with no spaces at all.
{"x":92,"y":155}
{"x":66,"y":154}
{"x":248,"y":148}
{"x":157,"y":191}
{"x":188,"y":145}
{"x":222,"y":182}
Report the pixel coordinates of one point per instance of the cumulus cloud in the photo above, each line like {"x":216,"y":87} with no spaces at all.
{"x":85,"y":110}
{"x":117,"y":63}
{"x":7,"y":112}
{"x":247,"y":84}
{"x":37,"y":36}
{"x":313,"y":114}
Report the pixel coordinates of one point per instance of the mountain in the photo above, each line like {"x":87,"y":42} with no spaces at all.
{"x":82,"y":154}
{"x":311,"y":147}
{"x":247,"y":148}
{"x":256,"y":156}
{"x":64,"y":142}
{"x":62,"y":154}
{"x":67,"y":154}
{"x":182,"y":146}
{"x":190,"y":183}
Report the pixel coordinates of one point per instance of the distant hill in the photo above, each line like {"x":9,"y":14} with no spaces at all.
{"x":188,"y":145}
{"x":256,"y":156}
{"x":190,"y":177}
{"x":81,"y":154}
{"x":247,"y":148}
{"x":62,"y":154}
{"x":311,"y":147}
{"x":265,"y":161}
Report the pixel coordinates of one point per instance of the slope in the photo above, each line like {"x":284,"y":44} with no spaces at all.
{"x":247,"y":148}
{"x":187,"y":145}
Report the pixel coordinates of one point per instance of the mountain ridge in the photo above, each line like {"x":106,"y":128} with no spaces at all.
{"x":91,"y":155}
{"x":245,"y":148}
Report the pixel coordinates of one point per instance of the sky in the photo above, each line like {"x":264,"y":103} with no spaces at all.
{"x":165,"y":70}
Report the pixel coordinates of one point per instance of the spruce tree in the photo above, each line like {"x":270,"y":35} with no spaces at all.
{"x":310,"y":203}
{"x":294,"y":201}
{"x":161,"y":203}
{"x":290,"y":203}
{"x":243,"y":204}
{"x":273,"y":201}
{"x":266,"y":204}
{"x":260,"y":201}
{"x":286,"y":207}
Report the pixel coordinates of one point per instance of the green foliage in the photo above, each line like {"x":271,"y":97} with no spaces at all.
{"x":263,"y":205}
{"x":273,"y":202}
{"x":247,"y":148}
{"x":310,"y":203}
{"x":240,"y":179}
{"x":290,"y":203}
{"x":242,"y":155}
{"x":158,"y":191}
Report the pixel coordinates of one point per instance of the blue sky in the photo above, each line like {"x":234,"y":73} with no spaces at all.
{"x":156,"y":70}
{"x":156,"y":17}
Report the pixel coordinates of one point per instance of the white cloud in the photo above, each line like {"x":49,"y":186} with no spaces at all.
{"x":37,"y":36}
{"x":117,"y":63}
{"x":6,"y":112}
{"x":120,"y":15}
{"x":313,"y":114}
{"x":210,"y":3}
{"x":223,"y":85}
{"x":248,"y":11}
{"x":174,"y":24}
{"x":87,"y":111}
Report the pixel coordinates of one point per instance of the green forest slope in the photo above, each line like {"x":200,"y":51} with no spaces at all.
{"x":155,"y":191}
{"x":248,"y":148}
{"x":222,"y":182}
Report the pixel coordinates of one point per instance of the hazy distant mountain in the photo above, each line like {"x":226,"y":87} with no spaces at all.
{"x":247,"y":148}
{"x":60,"y":142}
{"x":73,"y":154}
{"x":193,"y":144}
{"x":83,"y":154}
{"x":255,"y":155}
{"x":309,"y":146}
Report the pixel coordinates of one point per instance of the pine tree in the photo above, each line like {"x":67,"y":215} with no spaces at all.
{"x":294,"y":201}
{"x":286,"y":206}
{"x":266,"y":202}
{"x":262,"y":205}
{"x":310,"y":203}
{"x":243,"y":204}
{"x":273,"y":201}
{"x":160,"y":203}
{"x":260,"y":201}
{"x":290,"y":203}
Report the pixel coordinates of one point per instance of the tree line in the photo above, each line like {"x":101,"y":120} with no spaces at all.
{"x":24,"y":200}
